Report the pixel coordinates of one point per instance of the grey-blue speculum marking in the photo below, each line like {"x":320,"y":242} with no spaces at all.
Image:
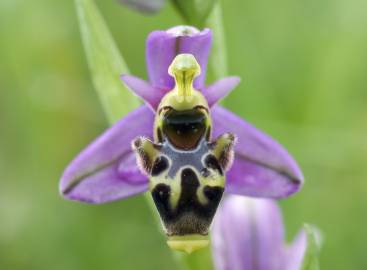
{"x":186,"y":168}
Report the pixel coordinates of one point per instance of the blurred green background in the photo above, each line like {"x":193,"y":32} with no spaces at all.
{"x":304,"y":71}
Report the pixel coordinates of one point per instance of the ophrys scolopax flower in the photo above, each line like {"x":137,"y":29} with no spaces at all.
{"x":184,"y":144}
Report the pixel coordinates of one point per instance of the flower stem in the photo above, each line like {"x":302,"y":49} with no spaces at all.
{"x":199,"y":260}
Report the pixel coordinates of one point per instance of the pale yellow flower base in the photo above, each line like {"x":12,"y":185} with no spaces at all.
{"x":188,"y":243}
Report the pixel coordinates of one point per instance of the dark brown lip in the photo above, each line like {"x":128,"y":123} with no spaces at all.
{"x":184,"y":129}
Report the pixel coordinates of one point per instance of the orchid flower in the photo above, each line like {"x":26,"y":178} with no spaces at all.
{"x":248,"y":234}
{"x":176,"y":60}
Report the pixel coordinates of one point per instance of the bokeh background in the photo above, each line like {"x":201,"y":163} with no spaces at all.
{"x":304,"y":71}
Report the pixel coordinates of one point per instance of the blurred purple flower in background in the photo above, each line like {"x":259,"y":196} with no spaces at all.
{"x":248,"y":234}
{"x":106,"y":170}
{"x":192,"y":11}
{"x":148,"y":6}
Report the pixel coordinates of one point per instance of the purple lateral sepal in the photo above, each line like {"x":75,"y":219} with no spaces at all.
{"x":249,"y":234}
{"x":106,"y":170}
{"x":261,"y":167}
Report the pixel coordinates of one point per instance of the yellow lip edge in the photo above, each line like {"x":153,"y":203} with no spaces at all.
{"x":188,"y":243}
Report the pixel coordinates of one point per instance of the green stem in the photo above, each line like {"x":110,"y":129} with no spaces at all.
{"x":194,"y":12}
{"x":199,"y":260}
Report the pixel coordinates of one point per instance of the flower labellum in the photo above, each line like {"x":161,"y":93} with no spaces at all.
{"x":184,"y":143}
{"x":186,"y":169}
